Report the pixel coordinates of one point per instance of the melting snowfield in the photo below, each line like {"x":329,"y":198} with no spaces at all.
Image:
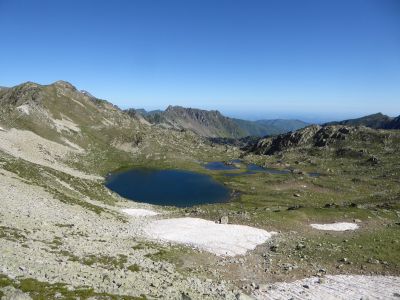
{"x":343,"y":226}
{"x":347,"y":287}
{"x":220,"y":239}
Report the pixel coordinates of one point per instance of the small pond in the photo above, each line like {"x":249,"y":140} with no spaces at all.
{"x":250,"y":168}
{"x":167,"y":187}
{"x":220,"y":166}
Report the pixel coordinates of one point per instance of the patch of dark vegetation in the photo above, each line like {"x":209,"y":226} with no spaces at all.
{"x":12,"y":234}
{"x":134,"y":268}
{"x":69,"y":255}
{"x":108,"y":262}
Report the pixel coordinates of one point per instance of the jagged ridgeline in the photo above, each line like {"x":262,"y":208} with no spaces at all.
{"x":107,"y":135}
{"x":211,"y":123}
{"x":60,"y":110}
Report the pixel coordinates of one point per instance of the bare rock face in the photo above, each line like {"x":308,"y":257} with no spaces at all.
{"x":285,"y":141}
{"x":224,"y":220}
{"x":312,"y":136}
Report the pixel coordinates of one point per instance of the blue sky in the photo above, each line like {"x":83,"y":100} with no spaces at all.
{"x":316,"y":60}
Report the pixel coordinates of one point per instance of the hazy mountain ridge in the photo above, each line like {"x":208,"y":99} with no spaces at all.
{"x":215,"y":125}
{"x":376,"y":121}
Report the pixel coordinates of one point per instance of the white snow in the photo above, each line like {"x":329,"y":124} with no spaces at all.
{"x":342,"y":226}
{"x":139,"y":212}
{"x":220,"y":239}
{"x":351,"y":287}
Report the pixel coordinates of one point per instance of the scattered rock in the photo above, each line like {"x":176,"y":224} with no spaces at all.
{"x":242,"y":296}
{"x":11,"y":293}
{"x":373,"y":261}
{"x":295,"y":207}
{"x":224,"y":220}
{"x":374,"y":160}
{"x":274,"y":248}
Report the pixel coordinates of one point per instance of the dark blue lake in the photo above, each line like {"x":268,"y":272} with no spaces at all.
{"x":167,"y":187}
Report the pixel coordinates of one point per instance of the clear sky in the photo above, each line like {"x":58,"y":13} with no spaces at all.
{"x":310,"y":59}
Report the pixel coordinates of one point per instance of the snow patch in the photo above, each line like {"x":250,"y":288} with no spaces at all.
{"x":220,"y":239}
{"x":333,"y":287}
{"x":139,"y":212}
{"x":343,"y":226}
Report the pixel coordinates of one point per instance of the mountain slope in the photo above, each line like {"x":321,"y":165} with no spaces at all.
{"x":213,"y":124}
{"x":377,"y":121}
{"x":203,"y":122}
{"x":283,"y":125}
{"x":106,"y":136}
{"x":393,"y":124}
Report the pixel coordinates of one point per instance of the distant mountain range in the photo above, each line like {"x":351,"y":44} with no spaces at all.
{"x":376,"y":121}
{"x":213,"y":124}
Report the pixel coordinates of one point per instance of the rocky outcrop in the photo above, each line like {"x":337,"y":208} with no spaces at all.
{"x":312,"y":136}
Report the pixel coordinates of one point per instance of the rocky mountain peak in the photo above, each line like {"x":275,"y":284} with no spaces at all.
{"x":64,"y":85}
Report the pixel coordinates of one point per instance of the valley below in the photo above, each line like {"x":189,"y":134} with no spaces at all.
{"x":309,"y":214}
